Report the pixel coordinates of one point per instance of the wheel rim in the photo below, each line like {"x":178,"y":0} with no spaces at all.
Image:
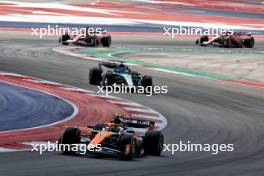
{"x":106,"y":82}
{"x":130,"y":150}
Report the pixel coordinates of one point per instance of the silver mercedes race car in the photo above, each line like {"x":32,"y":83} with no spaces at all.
{"x":117,"y":73}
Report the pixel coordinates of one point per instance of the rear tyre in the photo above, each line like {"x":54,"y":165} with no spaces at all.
{"x":146,"y":82}
{"x":153,"y":143}
{"x":228,"y":43}
{"x":70,"y":136}
{"x":249,"y":43}
{"x":95,"y":76}
{"x":202,"y":39}
{"x":106,"y":41}
{"x":64,"y":38}
{"x":128,"y":147}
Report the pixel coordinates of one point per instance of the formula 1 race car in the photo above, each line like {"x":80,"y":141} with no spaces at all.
{"x":89,"y":40}
{"x":116,"y":139}
{"x":234,"y":40}
{"x":119,"y":74}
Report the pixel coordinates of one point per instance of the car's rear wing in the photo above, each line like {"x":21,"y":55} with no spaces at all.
{"x":135,"y":123}
{"x":242,"y":33}
{"x":110,"y":65}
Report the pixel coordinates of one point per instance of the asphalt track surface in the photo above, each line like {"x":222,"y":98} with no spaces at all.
{"x":198,"y":110}
{"x":22,"y":108}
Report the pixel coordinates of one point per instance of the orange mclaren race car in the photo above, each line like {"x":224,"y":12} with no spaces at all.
{"x":117,"y":138}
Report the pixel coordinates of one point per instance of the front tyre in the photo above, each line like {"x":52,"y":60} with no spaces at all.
{"x":70,"y":136}
{"x":108,"y":79}
{"x":153,"y":143}
{"x":249,"y":43}
{"x":95,"y":76}
{"x":147,"y":83}
{"x":128,"y":147}
{"x":106,"y":41}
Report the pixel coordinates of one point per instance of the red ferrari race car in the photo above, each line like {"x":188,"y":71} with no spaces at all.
{"x":94,"y":39}
{"x":229,"y":40}
{"x":123,"y":138}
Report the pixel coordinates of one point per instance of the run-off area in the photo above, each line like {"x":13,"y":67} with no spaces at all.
{"x":22,"y":108}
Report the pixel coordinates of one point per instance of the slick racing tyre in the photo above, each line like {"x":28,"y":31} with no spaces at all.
{"x":146,"y":82}
{"x":106,"y":41}
{"x":249,"y":43}
{"x":64,"y":38}
{"x":95,"y":76}
{"x":108,"y":79}
{"x":153,"y":143}
{"x":128,"y":147}
{"x":228,"y":43}
{"x":70,"y":136}
{"x":202,"y":39}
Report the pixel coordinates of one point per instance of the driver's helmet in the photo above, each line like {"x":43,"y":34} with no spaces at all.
{"x":122,"y":65}
{"x":116,"y":118}
{"x":122,"y":68}
{"x":227,"y":33}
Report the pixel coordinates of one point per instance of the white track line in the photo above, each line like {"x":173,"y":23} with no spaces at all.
{"x":125,"y":103}
{"x":146,"y":116}
{"x":12,"y":74}
{"x":44,"y":82}
{"x":104,"y":96}
{"x":139,"y":110}
{"x":77,"y":89}
{"x":3,"y":149}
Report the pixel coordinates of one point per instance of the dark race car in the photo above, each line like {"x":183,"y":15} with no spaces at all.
{"x":119,"y":74}
{"x":234,"y":40}
{"x":116,"y":139}
{"x":90,"y":40}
